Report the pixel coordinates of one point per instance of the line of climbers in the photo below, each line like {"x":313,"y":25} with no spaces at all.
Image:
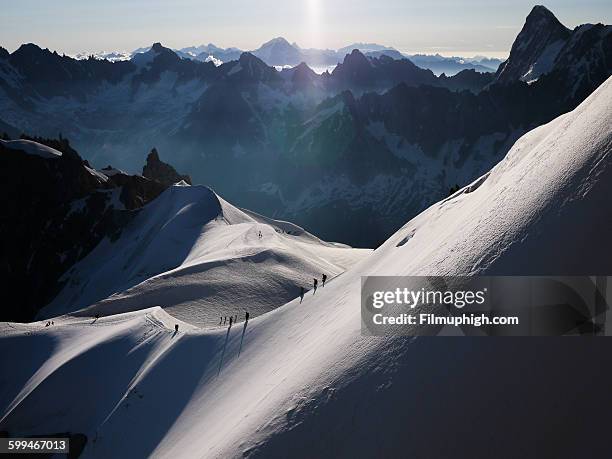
{"x":315,"y":284}
{"x":233,"y":319}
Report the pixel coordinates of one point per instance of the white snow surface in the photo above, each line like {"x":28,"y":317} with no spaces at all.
{"x":307,"y":384}
{"x":112,"y":56}
{"x":214,"y":60}
{"x":31,"y":148}
{"x":199,"y":257}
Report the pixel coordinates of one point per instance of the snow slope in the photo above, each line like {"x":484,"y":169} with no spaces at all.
{"x":307,"y":384}
{"x":194,"y":254}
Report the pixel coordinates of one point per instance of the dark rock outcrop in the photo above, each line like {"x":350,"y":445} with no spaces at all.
{"x":156,"y":169}
{"x":56,"y":210}
{"x":470,"y":80}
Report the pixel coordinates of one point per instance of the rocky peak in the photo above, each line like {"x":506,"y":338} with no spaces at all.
{"x":28,"y":49}
{"x":157,"y":47}
{"x":303,"y":71}
{"x":303,"y":77}
{"x":540,"y":12}
{"x":248,"y":58}
{"x":536,"y":47}
{"x":156,"y":169}
{"x":278,"y":41}
{"x":61,"y":192}
{"x":356,"y":69}
{"x":543,"y":23}
{"x":356,"y":58}
{"x":253,"y":68}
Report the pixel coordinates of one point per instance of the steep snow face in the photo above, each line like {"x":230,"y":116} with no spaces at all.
{"x":302,"y":378}
{"x":200,"y":258}
{"x":31,"y":148}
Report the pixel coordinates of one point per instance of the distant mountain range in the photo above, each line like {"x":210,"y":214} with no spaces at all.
{"x":279,"y":52}
{"x":366,"y":146}
{"x":452,"y":65}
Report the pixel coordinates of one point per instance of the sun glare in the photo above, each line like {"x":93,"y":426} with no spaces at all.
{"x":313,"y":22}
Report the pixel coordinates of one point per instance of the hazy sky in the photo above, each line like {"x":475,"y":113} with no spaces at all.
{"x":449,"y":27}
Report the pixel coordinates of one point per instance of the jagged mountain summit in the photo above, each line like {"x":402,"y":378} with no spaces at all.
{"x":279,"y":51}
{"x":303,"y":379}
{"x":360,"y":72}
{"x":202,"y":53}
{"x":164,"y":173}
{"x":536,"y":47}
{"x":544,"y":46}
{"x":275,"y":52}
{"x":210,"y":52}
{"x":371,"y":143}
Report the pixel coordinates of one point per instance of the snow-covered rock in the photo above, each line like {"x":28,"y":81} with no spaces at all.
{"x":112,"y":56}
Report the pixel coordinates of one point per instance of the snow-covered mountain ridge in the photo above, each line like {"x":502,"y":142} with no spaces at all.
{"x":300,"y":146}
{"x":301,"y":380}
{"x":279,"y":52}
{"x":199,"y":257}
